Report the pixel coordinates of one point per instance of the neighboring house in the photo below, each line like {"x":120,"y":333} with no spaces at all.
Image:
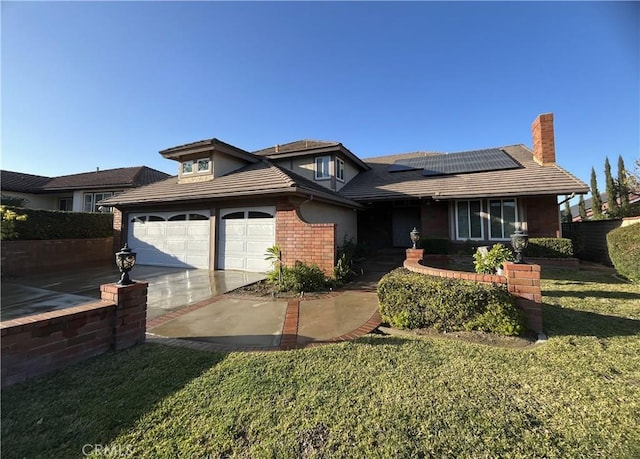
{"x":76,"y":192}
{"x":634,"y":198}
{"x":228,"y":205}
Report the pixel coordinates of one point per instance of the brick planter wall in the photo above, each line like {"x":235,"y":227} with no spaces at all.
{"x":522,"y":281}
{"x":41,"y":343}
{"x":22,"y":257}
{"x":305,"y":242}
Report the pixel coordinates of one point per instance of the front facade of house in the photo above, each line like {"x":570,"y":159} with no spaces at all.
{"x":226,"y":206}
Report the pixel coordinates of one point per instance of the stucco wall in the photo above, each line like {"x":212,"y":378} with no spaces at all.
{"x":345,"y":219}
{"x":36,"y":201}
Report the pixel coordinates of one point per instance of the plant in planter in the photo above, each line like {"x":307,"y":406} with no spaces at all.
{"x":491,"y":262}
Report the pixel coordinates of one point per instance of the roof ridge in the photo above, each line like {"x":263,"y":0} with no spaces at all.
{"x":288,"y":179}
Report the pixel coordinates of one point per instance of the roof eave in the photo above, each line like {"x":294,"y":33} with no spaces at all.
{"x":208,"y":146}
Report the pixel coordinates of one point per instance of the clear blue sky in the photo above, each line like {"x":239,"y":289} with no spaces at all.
{"x":88,"y":84}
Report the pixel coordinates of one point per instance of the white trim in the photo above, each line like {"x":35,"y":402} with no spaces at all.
{"x":328,"y":167}
{"x":339,"y":168}
{"x":457,"y":232}
{"x":501,"y":200}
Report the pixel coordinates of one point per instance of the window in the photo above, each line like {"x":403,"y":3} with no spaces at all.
{"x":204,"y":165}
{"x":91,"y":201}
{"x":322,"y":167}
{"x":256,"y":214}
{"x":469,"y":220}
{"x":187,"y":167}
{"x":178,"y":218}
{"x":340,"y":169}
{"x":65,"y":204}
{"x":502,"y":215}
{"x":234,"y":216}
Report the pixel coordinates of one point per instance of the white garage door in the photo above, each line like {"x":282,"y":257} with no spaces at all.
{"x":179,"y":239}
{"x":245,"y":236}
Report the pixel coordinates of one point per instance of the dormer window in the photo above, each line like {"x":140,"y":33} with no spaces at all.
{"x":187,"y":167}
{"x":204,"y":165}
{"x":340,"y":169}
{"x":322,"y":167}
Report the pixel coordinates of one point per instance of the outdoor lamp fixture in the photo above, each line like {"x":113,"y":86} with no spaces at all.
{"x":519,"y":241}
{"x":415,"y":236}
{"x":125,"y":261}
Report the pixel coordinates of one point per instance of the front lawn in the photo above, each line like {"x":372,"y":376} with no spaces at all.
{"x":577,"y":395}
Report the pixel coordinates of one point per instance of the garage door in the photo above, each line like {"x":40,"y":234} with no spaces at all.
{"x":245,"y":236}
{"x":179,"y":239}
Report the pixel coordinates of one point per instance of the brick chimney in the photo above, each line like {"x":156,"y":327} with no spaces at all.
{"x":544,"y":145}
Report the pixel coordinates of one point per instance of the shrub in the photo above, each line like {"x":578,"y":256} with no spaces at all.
{"x":299,"y":278}
{"x":343,"y":271}
{"x":549,"y":247}
{"x":52,"y":224}
{"x":489,"y":263}
{"x":436,"y":246}
{"x":624,"y":250}
{"x":411,"y":300}
{"x":9,"y":218}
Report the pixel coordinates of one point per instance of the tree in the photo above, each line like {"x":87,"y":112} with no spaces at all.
{"x":623,"y":188}
{"x":582,"y":208}
{"x":596,"y":201}
{"x":566,"y":215}
{"x":613,"y":209}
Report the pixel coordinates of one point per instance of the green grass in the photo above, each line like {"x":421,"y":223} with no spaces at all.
{"x":577,"y":395}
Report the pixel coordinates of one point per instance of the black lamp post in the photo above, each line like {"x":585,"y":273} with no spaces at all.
{"x":519,"y":241}
{"x":125,"y":261}
{"x":415,"y":237}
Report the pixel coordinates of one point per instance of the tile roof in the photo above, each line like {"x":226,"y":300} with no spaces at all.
{"x":531,"y":179}
{"x":120,"y":177}
{"x":258,"y":179}
{"x":21,"y":182}
{"x":298,"y":145}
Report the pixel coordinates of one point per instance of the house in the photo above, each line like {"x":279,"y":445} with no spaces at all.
{"x":634,"y":201}
{"x":226,"y":206}
{"x":76,"y":192}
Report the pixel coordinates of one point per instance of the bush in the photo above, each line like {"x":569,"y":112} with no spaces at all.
{"x":624,"y":250}
{"x":549,"y":247}
{"x":435,"y":246}
{"x":494,"y":259}
{"x":411,"y":300}
{"x":52,"y":224}
{"x":299,"y":278}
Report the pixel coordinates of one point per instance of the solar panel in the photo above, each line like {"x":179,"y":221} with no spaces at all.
{"x":464,"y":162}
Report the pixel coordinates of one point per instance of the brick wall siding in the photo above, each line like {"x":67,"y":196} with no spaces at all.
{"x":435,"y":219}
{"x":522,"y":281}
{"x":544,"y":147}
{"x":305,"y":242}
{"x":117,"y":230}
{"x":22,"y":257}
{"x":543,"y":219}
{"x":41,"y":343}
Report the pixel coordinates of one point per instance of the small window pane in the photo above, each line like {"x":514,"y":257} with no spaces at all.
{"x":155,"y":218}
{"x":138,"y":219}
{"x":322,"y":167}
{"x":255,"y":214}
{"x":463,"y":220}
{"x":203,"y":165}
{"x":509,"y":218}
{"x":476,"y":219}
{"x":340,"y":169}
{"x":234,"y":216}
{"x":495,"y":211}
{"x":187,"y":167}
{"x":177,"y":218}
{"x":198,"y":217}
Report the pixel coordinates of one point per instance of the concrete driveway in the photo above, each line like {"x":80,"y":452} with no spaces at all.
{"x":169,"y":288}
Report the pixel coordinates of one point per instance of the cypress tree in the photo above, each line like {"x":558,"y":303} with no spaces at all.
{"x":623,"y":188}
{"x":613,"y":209}
{"x":582,"y":208}
{"x":566,"y":215}
{"x":596,"y":201}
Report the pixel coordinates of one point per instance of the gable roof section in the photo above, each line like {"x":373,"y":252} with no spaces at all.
{"x":109,"y":178}
{"x":301,"y":148}
{"x":531,"y":179}
{"x":207,"y":145}
{"x":21,"y":182}
{"x":259,"y":179}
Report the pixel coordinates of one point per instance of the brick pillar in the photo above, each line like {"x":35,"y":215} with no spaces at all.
{"x":117,"y":230}
{"x":415,"y":255}
{"x":523,"y":281}
{"x":131,"y":312}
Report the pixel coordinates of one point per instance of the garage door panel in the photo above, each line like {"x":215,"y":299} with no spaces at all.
{"x":244,"y":239}
{"x":170,"y":242}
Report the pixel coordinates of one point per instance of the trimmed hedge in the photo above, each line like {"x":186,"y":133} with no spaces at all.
{"x":435,"y":246}
{"x":549,"y":247}
{"x":52,"y":224}
{"x":410,"y":300}
{"x":624,"y":250}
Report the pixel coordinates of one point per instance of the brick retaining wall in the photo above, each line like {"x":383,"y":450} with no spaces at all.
{"x":522,"y":281}
{"x":41,"y":343}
